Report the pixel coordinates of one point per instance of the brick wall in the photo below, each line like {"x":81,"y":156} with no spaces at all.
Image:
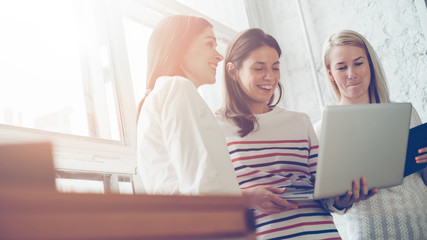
{"x":393,"y":28}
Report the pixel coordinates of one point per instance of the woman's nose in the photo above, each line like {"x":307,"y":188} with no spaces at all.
{"x":351,"y":72}
{"x":218,"y":56}
{"x":269,"y":75}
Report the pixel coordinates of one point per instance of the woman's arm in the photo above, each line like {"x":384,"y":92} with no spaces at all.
{"x":195,"y":144}
{"x":265,"y":199}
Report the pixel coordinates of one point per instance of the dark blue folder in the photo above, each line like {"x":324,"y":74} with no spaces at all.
{"x":417,"y":139}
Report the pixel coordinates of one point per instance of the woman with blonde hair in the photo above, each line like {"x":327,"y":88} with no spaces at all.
{"x":355,"y":76}
{"x":378,"y":91}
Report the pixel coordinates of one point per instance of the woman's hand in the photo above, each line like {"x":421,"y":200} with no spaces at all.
{"x":266,"y":200}
{"x":422,"y":158}
{"x":359,"y":192}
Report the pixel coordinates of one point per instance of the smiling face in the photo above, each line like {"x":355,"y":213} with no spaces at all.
{"x":349,"y":69}
{"x":202,"y":58}
{"x":259,"y":76}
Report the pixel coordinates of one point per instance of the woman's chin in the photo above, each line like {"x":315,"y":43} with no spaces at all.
{"x":211,"y":81}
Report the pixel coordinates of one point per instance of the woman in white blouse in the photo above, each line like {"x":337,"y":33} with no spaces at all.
{"x":181,"y":149}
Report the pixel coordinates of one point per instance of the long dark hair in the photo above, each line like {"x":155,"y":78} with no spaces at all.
{"x":235,"y":106}
{"x":168,"y":44}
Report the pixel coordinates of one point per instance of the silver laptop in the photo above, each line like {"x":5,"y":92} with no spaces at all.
{"x":366,"y":140}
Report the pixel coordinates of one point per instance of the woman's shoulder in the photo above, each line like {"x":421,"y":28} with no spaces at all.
{"x":172,"y":87}
{"x":219,"y":115}
{"x":227,"y":126}
{"x":174,"y":82}
{"x":290,"y":114}
{"x":222,"y":120}
{"x":173,"y":91}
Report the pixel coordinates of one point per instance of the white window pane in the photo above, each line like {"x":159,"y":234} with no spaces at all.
{"x":55,"y":76}
{"x":137,"y":37}
{"x":79,"y":186}
{"x":126,"y":188}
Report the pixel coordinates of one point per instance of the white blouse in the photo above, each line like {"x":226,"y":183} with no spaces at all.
{"x":181,"y":149}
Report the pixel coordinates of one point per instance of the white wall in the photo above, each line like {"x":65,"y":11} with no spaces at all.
{"x":393,"y":28}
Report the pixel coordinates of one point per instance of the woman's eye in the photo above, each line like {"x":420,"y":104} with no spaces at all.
{"x":259,"y":69}
{"x":211,"y":44}
{"x":359,"y":63}
{"x":341,"y":68}
{"x":276,"y":69}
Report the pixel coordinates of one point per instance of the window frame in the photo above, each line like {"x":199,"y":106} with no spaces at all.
{"x":91,"y":154}
{"x":82,"y":154}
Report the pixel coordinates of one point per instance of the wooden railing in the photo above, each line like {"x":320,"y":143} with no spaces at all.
{"x":41,"y":214}
{"x":32,"y":209}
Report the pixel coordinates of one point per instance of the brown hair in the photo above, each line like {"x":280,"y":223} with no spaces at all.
{"x":235,"y":106}
{"x":168,"y":45}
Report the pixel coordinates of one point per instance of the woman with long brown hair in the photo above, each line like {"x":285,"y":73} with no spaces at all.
{"x":181,"y":149}
{"x":273,"y":150}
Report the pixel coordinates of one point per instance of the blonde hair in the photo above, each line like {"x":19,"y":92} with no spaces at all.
{"x":378,"y":91}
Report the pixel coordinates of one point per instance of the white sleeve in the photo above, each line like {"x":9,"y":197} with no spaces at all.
{"x":415,"y":118}
{"x":318,"y":128}
{"x":195,"y":143}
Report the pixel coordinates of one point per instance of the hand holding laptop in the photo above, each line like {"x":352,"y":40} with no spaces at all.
{"x":359,"y":141}
{"x":266,"y":199}
{"x":359,"y":192}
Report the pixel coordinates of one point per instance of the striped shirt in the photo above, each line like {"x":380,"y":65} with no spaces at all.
{"x":281,"y":153}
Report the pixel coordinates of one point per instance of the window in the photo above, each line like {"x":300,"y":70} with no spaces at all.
{"x":64,"y":77}
{"x":137,"y":37}
{"x":73,"y":71}
{"x":55,"y":70}
{"x":142,"y":16}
